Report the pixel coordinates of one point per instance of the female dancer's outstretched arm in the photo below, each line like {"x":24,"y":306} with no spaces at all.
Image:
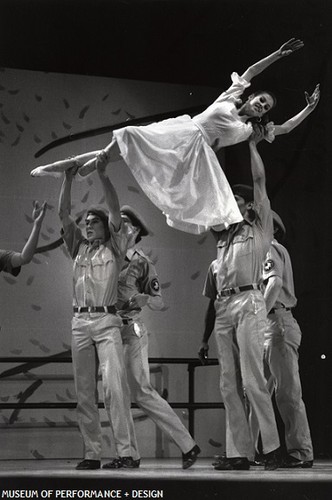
{"x":289,"y":125}
{"x":285,"y":50}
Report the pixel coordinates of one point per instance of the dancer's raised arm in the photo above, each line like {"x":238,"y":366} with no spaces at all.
{"x":111,"y":197}
{"x":25,"y":256}
{"x":285,"y":50}
{"x":289,"y":125}
{"x":65,"y":197}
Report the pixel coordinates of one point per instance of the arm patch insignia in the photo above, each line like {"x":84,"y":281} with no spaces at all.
{"x":155,"y":285}
{"x":268,"y":265}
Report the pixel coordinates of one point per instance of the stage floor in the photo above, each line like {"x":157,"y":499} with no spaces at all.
{"x":162,"y":478}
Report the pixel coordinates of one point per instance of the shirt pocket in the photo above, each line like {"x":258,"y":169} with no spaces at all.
{"x":101,"y":266}
{"x":242,"y":243}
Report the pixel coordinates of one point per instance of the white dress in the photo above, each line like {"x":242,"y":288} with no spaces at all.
{"x":174,"y":162}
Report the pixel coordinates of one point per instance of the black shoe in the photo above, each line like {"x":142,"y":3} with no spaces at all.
{"x":218,"y":458}
{"x":236,"y":463}
{"x":258,"y":460}
{"x":122,"y":463}
{"x":290,"y":462}
{"x":272,"y":460}
{"x":188,"y":459}
{"x":88,"y":465}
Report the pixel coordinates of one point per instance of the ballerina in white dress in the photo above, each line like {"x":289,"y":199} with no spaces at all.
{"x":174,"y":160}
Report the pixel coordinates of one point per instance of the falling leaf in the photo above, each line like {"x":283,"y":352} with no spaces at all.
{"x":164,"y":308}
{"x":34,"y":342}
{"x":83,"y":111}
{"x":35,"y":260}
{"x":133,"y":189}
{"x":69,"y":394}
{"x":26,"y":118}
{"x":38,"y":98}
{"x":37,"y":455}
{"x":19,"y":127}
{"x":105,"y":97}
{"x":66,"y":125}
{"x":195,"y":275}
{"x":50,"y":230}
{"x":49,"y":422}
{"x":13,"y":92}
{"x":69,"y":421}
{"x":54,"y":136}
{"x":36,"y":139}
{"x":202,"y":240}
{"x":216,"y":444}
{"x":60,"y":398}
{"x":35,"y":307}
{"x":66,"y":103}
{"x":130,"y":115}
{"x":44,"y":348}
{"x":85,"y":197}
{"x":5,"y":399}
{"x":165,"y":285}
{"x":30,"y":280}
{"x":5,"y":119}
{"x":116,"y":112}
{"x":16,"y":352}
{"x":9,"y":280}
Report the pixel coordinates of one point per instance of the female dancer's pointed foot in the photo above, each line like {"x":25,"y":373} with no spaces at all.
{"x":55,"y":169}
{"x":42,"y":171}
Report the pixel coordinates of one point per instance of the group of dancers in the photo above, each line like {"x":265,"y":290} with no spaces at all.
{"x":175,"y":163}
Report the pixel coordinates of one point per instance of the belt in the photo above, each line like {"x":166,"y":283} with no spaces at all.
{"x":274,"y":309}
{"x":95,"y":309}
{"x":237,"y":289}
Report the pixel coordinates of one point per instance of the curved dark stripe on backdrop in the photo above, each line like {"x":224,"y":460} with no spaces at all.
{"x":110,"y":128}
{"x":26,"y":394}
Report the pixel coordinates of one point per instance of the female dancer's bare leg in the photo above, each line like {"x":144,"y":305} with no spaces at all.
{"x":112,"y":152}
{"x":57,"y":168}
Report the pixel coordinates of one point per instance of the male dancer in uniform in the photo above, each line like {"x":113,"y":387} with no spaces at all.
{"x":282,"y":342}
{"x":233,"y":284}
{"x":139,"y":287}
{"x":96,"y":337}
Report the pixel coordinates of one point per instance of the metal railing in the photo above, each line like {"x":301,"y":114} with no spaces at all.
{"x":28,"y":363}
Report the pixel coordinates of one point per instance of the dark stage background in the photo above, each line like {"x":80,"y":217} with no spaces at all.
{"x":201,"y":43}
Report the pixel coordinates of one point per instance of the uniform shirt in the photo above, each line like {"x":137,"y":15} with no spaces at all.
{"x":210,"y":285}
{"x":278,"y":263}
{"x":5,"y":263}
{"x":138,"y":275}
{"x":96,"y":267}
{"x":242,"y":248}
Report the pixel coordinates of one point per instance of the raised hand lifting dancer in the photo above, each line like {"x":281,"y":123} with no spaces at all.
{"x":174,"y":160}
